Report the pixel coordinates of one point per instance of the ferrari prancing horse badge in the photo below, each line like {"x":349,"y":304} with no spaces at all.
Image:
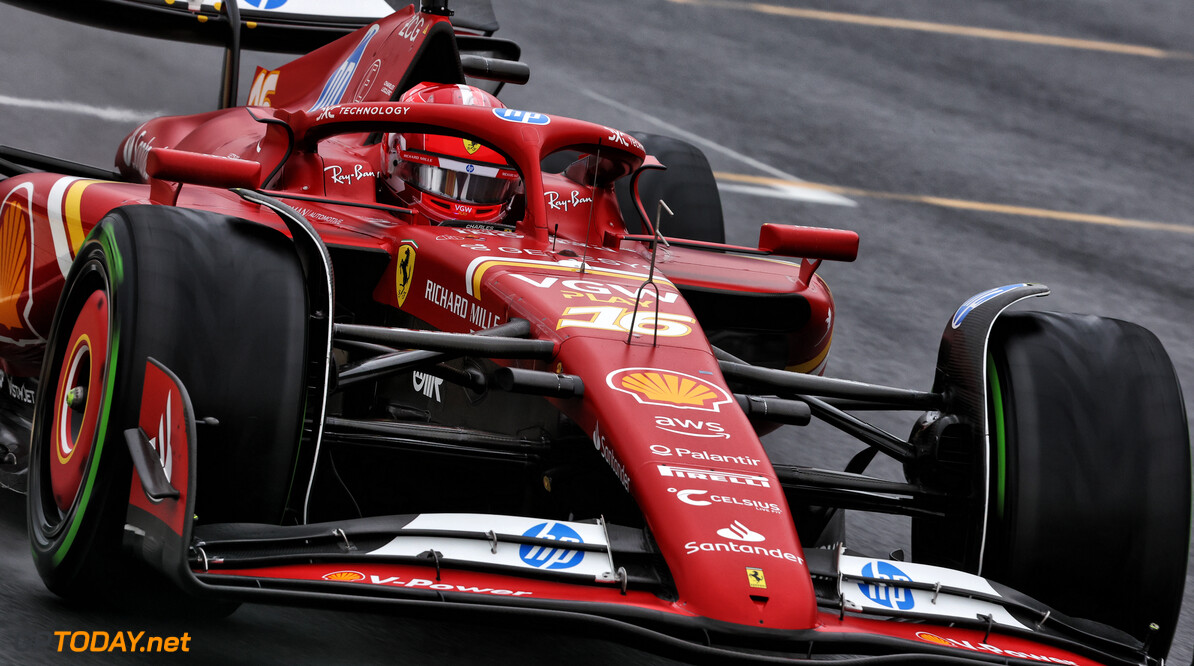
{"x":405,"y":271}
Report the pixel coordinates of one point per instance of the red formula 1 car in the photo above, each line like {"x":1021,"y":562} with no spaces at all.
{"x":377,"y":339}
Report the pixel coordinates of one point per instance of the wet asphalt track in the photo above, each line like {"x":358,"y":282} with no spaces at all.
{"x":1096,"y":129}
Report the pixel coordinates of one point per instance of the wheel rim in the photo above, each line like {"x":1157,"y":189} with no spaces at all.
{"x":78,"y":401}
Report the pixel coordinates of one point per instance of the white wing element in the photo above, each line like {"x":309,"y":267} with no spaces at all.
{"x":948,"y":600}
{"x":366,"y":9}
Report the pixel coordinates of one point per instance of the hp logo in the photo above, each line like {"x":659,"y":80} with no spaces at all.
{"x":264,"y":4}
{"x":525,"y":117}
{"x":899,"y":598}
{"x":547,"y":557}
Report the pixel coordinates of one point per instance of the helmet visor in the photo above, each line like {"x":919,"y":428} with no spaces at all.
{"x":461,"y":181}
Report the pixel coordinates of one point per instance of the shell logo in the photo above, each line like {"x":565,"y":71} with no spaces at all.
{"x":344,"y":576}
{"x":932,"y":638}
{"x":652,"y":386}
{"x":14,"y":260}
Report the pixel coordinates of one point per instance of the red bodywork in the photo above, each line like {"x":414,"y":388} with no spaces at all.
{"x":655,"y":401}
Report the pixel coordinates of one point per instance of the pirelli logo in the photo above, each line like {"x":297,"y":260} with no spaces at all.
{"x":708,"y":475}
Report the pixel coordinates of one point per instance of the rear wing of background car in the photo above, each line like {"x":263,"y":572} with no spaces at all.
{"x":279,"y":26}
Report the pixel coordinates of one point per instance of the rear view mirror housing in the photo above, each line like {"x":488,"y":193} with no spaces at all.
{"x":809,"y":242}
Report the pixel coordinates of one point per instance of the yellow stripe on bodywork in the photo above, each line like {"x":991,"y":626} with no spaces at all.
{"x":809,"y":366}
{"x":72,"y":205}
{"x":479,"y":269}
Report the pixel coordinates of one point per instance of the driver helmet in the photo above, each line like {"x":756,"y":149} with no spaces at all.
{"x":446,"y":177}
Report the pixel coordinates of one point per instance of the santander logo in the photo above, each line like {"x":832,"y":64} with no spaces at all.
{"x":739,"y":532}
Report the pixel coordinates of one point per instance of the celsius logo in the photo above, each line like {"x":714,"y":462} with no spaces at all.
{"x":899,"y":598}
{"x":740,"y":532}
{"x":687,"y":496}
{"x":703,"y":498}
{"x":547,"y":557}
{"x":264,"y":4}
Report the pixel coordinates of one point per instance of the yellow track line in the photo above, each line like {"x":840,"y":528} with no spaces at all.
{"x":942,"y":28}
{"x":963,"y":204}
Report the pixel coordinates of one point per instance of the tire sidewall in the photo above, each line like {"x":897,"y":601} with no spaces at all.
{"x":1089,"y":429}
{"x":69,"y":553}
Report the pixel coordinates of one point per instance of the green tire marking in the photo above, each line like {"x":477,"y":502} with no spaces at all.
{"x":1000,"y":437}
{"x":108,"y":241}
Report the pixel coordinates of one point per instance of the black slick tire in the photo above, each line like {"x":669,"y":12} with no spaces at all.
{"x":1090,"y":470}
{"x":219,"y":301}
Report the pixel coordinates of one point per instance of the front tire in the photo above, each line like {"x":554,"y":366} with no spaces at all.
{"x":76,"y":471}
{"x":219,"y":301}
{"x":1090,"y":470}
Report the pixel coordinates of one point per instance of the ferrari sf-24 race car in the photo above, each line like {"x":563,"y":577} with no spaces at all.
{"x":376,"y":340}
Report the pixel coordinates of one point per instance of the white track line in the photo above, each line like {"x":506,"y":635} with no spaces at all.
{"x":108,"y":113}
{"x":794,"y":192}
{"x":785,"y":193}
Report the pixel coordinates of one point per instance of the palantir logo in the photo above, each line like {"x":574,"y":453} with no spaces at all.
{"x":899,"y":598}
{"x":548,"y":557}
